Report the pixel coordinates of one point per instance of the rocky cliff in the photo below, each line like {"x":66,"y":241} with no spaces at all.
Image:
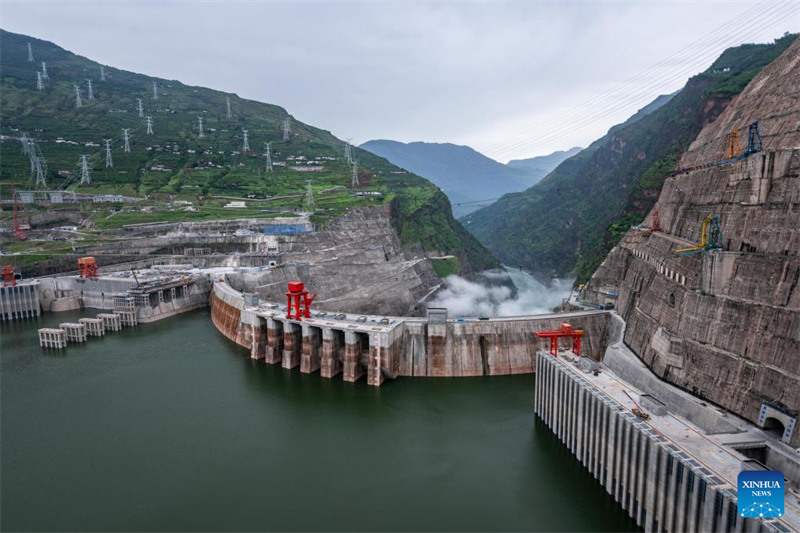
{"x":725,"y":323}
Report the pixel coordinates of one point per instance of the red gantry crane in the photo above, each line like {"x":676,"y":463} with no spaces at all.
{"x":565,"y":331}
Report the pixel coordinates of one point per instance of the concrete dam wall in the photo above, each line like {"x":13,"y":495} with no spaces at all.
{"x":388,"y":347}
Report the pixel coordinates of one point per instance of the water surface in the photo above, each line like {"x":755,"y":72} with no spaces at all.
{"x":170,"y":427}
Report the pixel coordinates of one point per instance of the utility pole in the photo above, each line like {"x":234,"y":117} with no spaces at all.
{"x":354,"y":182}
{"x":78,"y":103}
{"x":269,"y":159}
{"x":309,"y":195}
{"x":109,"y":161}
{"x":102,"y":73}
{"x":245,"y":144}
{"x":200,"y":126}
{"x":44,"y":71}
{"x":86,"y":179}
{"x":228,"y":114}
{"x":149,"y":122}
{"x":155,"y":91}
{"x":286,"y":129}
{"x":127,"y":140}
{"x":39,"y":82}
{"x":141,"y":108}
{"x":30,"y":53}
{"x":91,"y":93}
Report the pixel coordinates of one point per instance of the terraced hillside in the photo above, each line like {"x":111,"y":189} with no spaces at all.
{"x":176,"y":163}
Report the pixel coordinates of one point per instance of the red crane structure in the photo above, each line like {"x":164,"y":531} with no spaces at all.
{"x":9,"y":276}
{"x":565,"y":331}
{"x":298,"y":301}
{"x":87,"y":268}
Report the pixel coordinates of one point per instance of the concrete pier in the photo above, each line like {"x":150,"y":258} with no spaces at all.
{"x":52,"y":338}
{"x":111,"y":321}
{"x":312,"y":349}
{"x":666,"y":473}
{"x":292,"y":344}
{"x":94,"y":326}
{"x":332,"y":352}
{"x":74,"y":332}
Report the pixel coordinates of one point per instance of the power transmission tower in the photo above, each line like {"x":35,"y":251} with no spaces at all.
{"x":269,"y":159}
{"x":140,"y":107}
{"x":86,"y":179}
{"x":354,"y":182}
{"x":78,"y":103}
{"x":109,"y":161}
{"x":89,"y":90}
{"x":149,"y":122}
{"x":26,"y":148}
{"x":286,"y":129}
{"x":228,"y":113}
{"x":309,"y":195}
{"x":30,"y":53}
{"x":39,"y":82}
{"x":41,"y":170}
{"x":245,"y":144}
{"x":347,"y":153}
{"x":44,"y":71}
{"x":127,"y":140}
{"x":155,"y":91}
{"x":200,"y":126}
{"x":102,"y":73}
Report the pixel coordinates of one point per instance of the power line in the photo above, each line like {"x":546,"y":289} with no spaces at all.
{"x":109,"y":161}
{"x":268,"y":167}
{"x":86,"y":179}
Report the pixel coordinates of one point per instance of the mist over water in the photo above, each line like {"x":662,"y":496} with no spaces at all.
{"x":488,"y":297}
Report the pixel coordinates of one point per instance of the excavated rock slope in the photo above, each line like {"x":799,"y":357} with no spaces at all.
{"x":724,"y":324}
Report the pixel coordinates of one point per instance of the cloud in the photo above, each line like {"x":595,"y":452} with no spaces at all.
{"x":488,"y":298}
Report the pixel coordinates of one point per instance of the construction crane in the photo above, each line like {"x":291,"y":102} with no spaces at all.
{"x":18,"y":228}
{"x":754,"y":144}
{"x":710,"y":237}
{"x":734,"y":148}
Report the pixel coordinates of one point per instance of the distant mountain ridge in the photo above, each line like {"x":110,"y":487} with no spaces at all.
{"x":544,"y":163}
{"x":565,"y":224}
{"x":466,"y":176}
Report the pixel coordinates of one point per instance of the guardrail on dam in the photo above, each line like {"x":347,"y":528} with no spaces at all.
{"x":388,"y":347}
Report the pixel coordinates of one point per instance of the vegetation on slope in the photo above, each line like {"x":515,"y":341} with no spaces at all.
{"x":567,"y":223}
{"x":175,"y":163}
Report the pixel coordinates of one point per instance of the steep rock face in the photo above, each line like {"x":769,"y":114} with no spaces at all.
{"x":724,"y":324}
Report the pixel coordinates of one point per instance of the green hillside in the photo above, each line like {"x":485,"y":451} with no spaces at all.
{"x":567,"y":223}
{"x":175,"y":163}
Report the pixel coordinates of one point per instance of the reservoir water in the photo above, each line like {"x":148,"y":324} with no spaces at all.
{"x":171,"y":427}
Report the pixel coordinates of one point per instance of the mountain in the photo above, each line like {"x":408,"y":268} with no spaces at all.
{"x":175,"y":162}
{"x":542,"y":165}
{"x":467,"y":177}
{"x":565,"y":224}
{"x":723,"y":323}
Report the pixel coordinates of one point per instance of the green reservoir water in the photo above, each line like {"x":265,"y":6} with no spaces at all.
{"x":171,"y":427}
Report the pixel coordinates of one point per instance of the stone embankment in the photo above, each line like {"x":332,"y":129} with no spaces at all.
{"x":723,"y":324}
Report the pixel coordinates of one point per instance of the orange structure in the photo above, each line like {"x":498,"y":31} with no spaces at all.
{"x":87,"y":268}
{"x":8,"y":276}
{"x":565,"y":331}
{"x":298,"y":301}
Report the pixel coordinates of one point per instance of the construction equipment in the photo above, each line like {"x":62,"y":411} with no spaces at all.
{"x":710,"y":237}
{"x":9,"y":276}
{"x":734,"y":148}
{"x":298,"y":301}
{"x":87,"y":268}
{"x":638,"y":411}
{"x":565,"y":331}
{"x":18,"y":228}
{"x":754,"y":144}
{"x":133,"y":271}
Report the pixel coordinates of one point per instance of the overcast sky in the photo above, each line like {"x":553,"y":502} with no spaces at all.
{"x":511,"y":80}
